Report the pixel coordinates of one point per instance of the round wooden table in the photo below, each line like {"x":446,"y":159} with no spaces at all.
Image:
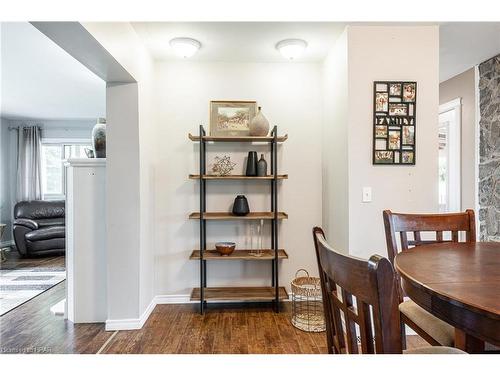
{"x":460,"y":284}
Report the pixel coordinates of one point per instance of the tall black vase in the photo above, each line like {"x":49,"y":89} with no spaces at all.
{"x":252,"y":164}
{"x":240,"y":206}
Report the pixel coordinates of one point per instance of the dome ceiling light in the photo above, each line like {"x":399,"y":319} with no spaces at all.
{"x":291,"y":49}
{"x":185,"y":47}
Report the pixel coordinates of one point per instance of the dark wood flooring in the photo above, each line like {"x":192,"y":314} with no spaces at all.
{"x":32,"y":328}
{"x":169,"y":329}
{"x":15,"y":261}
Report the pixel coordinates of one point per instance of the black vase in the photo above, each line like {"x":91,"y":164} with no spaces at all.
{"x":252,"y":164}
{"x":262,"y":166}
{"x":240,"y":206}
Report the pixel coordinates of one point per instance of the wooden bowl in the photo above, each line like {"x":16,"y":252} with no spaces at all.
{"x":225,"y":248}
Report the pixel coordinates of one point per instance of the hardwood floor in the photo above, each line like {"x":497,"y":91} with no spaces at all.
{"x":32,"y":328}
{"x":234,"y":329}
{"x":15,"y":261}
{"x":256,"y":329}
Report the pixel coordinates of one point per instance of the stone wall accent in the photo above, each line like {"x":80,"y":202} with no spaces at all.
{"x":489,"y":150}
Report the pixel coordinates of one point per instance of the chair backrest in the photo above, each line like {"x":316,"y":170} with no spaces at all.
{"x":359,"y":295}
{"x":402,"y":224}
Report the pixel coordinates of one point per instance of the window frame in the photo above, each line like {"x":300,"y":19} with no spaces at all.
{"x":62,"y":142}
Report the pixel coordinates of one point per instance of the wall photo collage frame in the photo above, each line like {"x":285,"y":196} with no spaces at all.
{"x":394,"y":122}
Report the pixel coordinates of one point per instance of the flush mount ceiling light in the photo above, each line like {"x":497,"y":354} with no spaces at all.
{"x":291,"y":48}
{"x":185,"y":47}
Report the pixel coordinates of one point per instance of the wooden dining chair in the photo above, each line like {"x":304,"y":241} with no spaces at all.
{"x":361,"y":296}
{"x":433,"y":330}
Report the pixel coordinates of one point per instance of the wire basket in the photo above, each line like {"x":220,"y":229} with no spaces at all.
{"x":307,"y":304}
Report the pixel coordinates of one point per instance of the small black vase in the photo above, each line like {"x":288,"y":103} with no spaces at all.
{"x":262,"y":166}
{"x":252,"y":164}
{"x":240,"y":206}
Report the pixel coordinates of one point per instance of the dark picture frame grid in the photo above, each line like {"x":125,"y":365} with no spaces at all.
{"x":394,"y":122}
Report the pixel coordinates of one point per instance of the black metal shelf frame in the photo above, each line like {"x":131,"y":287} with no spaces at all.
{"x":274,"y":209}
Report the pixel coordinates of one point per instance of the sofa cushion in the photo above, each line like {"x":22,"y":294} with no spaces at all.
{"x":58,"y":221}
{"x":46,"y":233}
{"x":39,"y":209}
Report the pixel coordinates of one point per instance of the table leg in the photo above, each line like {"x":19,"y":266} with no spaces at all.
{"x":468,"y":343}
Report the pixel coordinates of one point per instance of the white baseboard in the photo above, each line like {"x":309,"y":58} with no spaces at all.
{"x":59,"y":308}
{"x":162,"y":299}
{"x":130,"y":324}
{"x":166,"y":299}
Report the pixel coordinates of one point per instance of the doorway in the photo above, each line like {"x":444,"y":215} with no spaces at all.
{"x":449,"y":137}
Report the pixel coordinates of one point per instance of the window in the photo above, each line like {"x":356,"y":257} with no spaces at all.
{"x":53,"y":171}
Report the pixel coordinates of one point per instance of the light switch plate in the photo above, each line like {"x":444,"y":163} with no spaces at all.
{"x":367,"y":194}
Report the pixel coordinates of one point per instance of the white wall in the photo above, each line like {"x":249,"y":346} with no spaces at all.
{"x":7,"y":173}
{"x":335,"y":151}
{"x":130,"y":173}
{"x":290,"y":96}
{"x":78,"y":129}
{"x":390,"y":53}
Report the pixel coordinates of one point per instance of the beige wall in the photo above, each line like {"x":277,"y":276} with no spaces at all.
{"x":334,"y":148}
{"x":390,"y":53}
{"x":290,"y":96}
{"x":463,"y":86}
{"x":380,"y":53}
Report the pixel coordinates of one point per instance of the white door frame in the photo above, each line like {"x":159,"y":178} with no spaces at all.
{"x":454,"y":154}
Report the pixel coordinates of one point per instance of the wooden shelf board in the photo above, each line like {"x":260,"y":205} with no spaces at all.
{"x":250,"y":293}
{"x":268,"y":254}
{"x":237,"y":177}
{"x":196,"y":138}
{"x":230,"y":216}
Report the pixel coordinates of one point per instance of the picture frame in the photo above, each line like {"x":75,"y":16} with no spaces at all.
{"x":394,"y":122}
{"x":231,"y":118}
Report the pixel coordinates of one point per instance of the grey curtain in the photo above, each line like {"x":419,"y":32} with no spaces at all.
{"x":29,"y":164}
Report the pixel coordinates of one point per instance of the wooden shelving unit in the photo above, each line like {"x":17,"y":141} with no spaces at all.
{"x":274,"y":254}
{"x":266,"y":254}
{"x":269,"y":139}
{"x":230,"y":216}
{"x":236,"y":177}
{"x":246,"y":294}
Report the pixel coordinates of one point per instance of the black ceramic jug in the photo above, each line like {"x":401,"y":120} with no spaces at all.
{"x":252,"y":164}
{"x":240,"y":206}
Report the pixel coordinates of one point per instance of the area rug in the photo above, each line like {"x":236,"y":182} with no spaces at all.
{"x":18,"y":286}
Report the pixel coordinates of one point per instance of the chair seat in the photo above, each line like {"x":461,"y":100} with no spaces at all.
{"x":434,"y":350}
{"x":440,"y":331}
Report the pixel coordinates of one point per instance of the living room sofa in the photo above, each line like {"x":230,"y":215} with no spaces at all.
{"x":39,"y":227}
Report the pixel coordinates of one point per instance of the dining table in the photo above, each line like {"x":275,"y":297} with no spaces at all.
{"x":458,"y":282}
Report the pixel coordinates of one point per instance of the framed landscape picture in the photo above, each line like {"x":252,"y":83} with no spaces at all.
{"x":394,"y":122}
{"x":231,"y":118}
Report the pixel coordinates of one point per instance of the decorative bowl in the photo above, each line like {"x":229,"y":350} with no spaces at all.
{"x":225,"y":248}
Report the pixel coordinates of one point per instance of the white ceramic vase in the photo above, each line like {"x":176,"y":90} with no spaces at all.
{"x":259,"y":126}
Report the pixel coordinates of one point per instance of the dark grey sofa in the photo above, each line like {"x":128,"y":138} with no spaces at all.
{"x":39,"y":227}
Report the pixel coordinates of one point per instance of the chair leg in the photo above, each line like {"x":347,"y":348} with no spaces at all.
{"x":403,"y":335}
